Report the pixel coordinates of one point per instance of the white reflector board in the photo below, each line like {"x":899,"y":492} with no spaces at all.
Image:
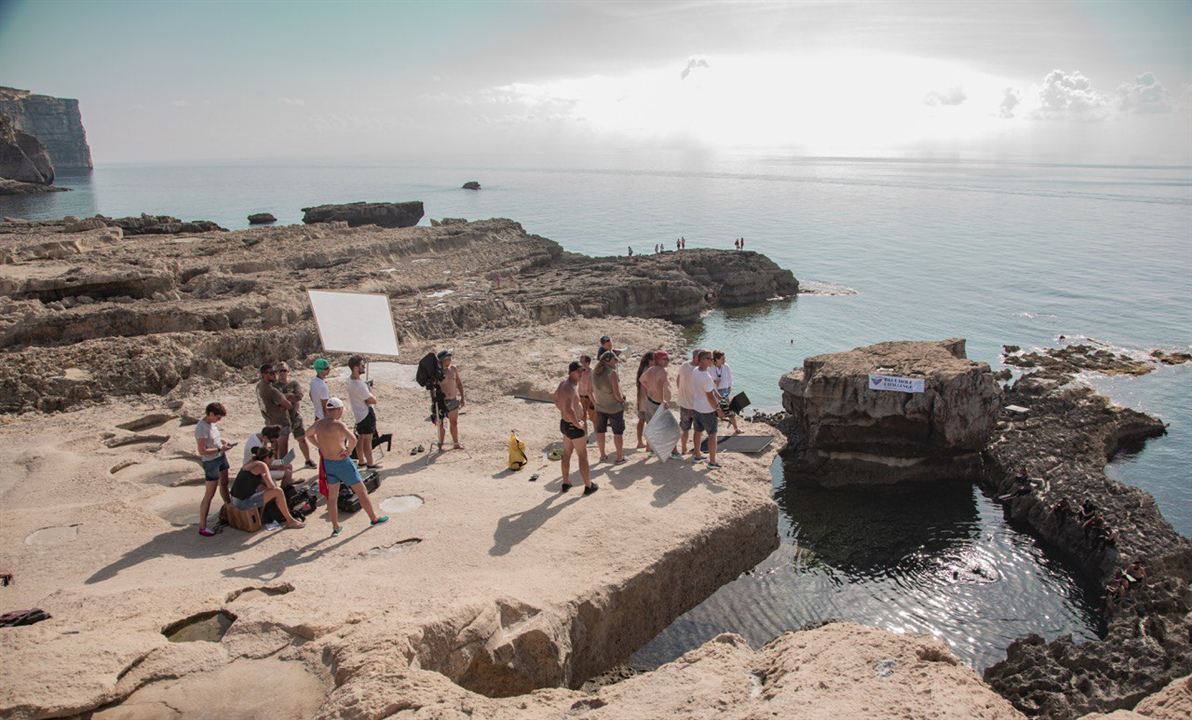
{"x":354,"y":322}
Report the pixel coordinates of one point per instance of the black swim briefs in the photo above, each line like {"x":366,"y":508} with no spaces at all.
{"x":570,"y":431}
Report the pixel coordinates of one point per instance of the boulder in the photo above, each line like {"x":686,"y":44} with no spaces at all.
{"x":16,"y":187}
{"x":383,"y":214}
{"x":91,"y":223}
{"x":22,"y":156}
{"x":848,"y":434}
{"x":160,"y":225}
{"x":471,"y":185}
{"x":261,"y":218}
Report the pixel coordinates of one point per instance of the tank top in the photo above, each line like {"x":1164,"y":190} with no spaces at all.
{"x":602,"y":392}
{"x":245,"y":484}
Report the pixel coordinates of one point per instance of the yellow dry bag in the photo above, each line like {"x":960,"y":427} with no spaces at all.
{"x":517,"y":452}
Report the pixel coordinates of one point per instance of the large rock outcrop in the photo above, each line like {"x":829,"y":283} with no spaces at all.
{"x":848,"y":434}
{"x":22,"y":157}
{"x":56,"y":122}
{"x":381,"y":214}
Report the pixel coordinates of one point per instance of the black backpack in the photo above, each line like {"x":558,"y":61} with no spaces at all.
{"x":429,"y":372}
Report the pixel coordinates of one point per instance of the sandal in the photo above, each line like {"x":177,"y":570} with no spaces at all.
{"x":378,"y":521}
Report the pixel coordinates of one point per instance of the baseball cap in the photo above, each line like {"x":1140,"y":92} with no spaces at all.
{"x":334,"y":403}
{"x":661,"y":355}
{"x":445,"y":354}
{"x":322,"y":364}
{"x":574,"y":366}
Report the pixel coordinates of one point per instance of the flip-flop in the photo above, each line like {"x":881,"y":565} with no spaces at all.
{"x":378,"y":521}
{"x":621,"y":461}
{"x":337,"y":531}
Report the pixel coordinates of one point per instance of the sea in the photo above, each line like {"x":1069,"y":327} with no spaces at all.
{"x":999,"y":253}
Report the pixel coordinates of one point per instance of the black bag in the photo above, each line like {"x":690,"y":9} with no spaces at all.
{"x":347,"y":501}
{"x":739,"y":402}
{"x":371,"y":479}
{"x":296,"y":500}
{"x":429,"y":371}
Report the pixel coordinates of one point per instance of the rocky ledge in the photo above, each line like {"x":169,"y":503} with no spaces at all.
{"x":847,"y":433}
{"x":381,"y":214}
{"x":1046,"y":463}
{"x":94,"y":313}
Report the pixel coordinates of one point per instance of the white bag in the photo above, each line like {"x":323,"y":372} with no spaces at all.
{"x":662,"y":432}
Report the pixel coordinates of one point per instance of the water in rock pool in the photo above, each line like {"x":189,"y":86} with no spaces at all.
{"x":939,"y":561}
{"x":995,"y":252}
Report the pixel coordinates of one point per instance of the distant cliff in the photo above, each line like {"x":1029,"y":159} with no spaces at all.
{"x":56,"y":122}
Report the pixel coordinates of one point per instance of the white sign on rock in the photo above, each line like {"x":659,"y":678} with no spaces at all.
{"x":894,"y":383}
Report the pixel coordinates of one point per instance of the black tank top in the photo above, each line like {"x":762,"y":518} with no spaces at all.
{"x":245,"y":484}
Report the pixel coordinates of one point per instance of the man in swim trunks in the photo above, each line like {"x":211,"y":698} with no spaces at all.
{"x":657,"y":386}
{"x":574,"y":426}
{"x":584,"y":387}
{"x":335,"y":442}
{"x":686,"y":398}
{"x":452,"y":386}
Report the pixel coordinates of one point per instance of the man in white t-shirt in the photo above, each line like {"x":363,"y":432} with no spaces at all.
{"x":282,"y":473}
{"x":319,"y":395}
{"x":362,"y":400}
{"x":685,"y":399}
{"x":706,"y":407}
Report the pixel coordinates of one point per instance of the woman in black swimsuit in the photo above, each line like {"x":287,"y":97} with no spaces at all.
{"x":254,"y":488}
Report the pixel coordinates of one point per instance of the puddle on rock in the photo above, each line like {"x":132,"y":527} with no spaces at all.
{"x":401,"y":504}
{"x":53,"y":535}
{"x":205,"y":627}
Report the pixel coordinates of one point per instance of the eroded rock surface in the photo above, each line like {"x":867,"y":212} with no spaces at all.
{"x":848,"y":434}
{"x":381,"y":214}
{"x":79,"y":306}
{"x":55,"y":122}
{"x":22,"y":156}
{"x":1045,"y":462}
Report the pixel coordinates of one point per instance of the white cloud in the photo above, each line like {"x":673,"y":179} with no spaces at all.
{"x":692,"y":64}
{"x":1070,"y":96}
{"x":1010,"y":101}
{"x":292,"y":102}
{"x":952,"y":96}
{"x":1144,"y":95}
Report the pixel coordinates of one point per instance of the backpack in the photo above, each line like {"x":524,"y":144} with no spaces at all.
{"x":429,"y":372}
{"x":517,"y":452}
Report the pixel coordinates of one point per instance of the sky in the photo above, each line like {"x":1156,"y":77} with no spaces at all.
{"x":170,"y":81}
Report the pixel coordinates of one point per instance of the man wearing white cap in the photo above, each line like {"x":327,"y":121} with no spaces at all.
{"x":335,"y":441}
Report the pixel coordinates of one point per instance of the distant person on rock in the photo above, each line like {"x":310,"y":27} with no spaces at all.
{"x":656,"y":384}
{"x":213,"y":457}
{"x":335,"y":442}
{"x":452,"y":386}
{"x":585,"y":386}
{"x":630,"y":251}
{"x":642,"y":418}
{"x":723,"y":375}
{"x":574,"y":426}
{"x":275,"y":406}
{"x":363,"y":402}
{"x":610,"y":405}
{"x":706,"y":404}
{"x":254,"y":488}
{"x":268,"y":437}
{"x":686,"y":399}
{"x":293,"y":392}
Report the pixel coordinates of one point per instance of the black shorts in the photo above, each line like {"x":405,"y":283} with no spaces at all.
{"x":570,"y":431}
{"x":367,"y":426}
{"x":616,"y":420}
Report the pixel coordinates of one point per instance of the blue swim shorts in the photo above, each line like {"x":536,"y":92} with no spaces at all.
{"x":341,"y":471}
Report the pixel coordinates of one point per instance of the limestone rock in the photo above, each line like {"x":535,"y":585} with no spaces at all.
{"x":261,"y":218}
{"x":15,"y":187}
{"x":55,"y":122}
{"x":91,"y":223}
{"x":848,"y":434}
{"x":147,"y":224}
{"x":22,"y":156}
{"x":382,"y":214}
{"x":471,"y":185}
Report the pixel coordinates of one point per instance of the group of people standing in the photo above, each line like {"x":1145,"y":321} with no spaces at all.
{"x":268,"y":468}
{"x":593,"y":394}
{"x":681,"y":244}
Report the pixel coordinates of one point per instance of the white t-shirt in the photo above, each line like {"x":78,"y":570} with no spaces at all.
{"x":318,"y":391}
{"x":723,"y":375}
{"x":358,"y":393}
{"x":685,"y":397}
{"x":252,"y":443}
{"x":702,"y":383}
{"x":208,"y":430}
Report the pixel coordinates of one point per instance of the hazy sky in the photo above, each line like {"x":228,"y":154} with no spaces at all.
{"x":1047,"y":81}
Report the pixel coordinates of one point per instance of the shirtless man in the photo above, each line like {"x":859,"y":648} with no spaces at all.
{"x":584,"y":387}
{"x":453,"y":390}
{"x":654,"y":381}
{"x":574,"y":426}
{"x":335,"y":442}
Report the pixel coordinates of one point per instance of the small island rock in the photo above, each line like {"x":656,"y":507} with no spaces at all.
{"x":471,"y":185}
{"x":382,"y":214}
{"x":261,"y":218}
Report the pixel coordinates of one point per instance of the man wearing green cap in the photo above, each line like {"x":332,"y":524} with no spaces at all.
{"x":319,"y":393}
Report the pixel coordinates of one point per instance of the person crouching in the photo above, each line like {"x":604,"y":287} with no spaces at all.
{"x":254,"y":488}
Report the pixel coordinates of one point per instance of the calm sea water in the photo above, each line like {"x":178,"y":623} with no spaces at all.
{"x":996,"y":253}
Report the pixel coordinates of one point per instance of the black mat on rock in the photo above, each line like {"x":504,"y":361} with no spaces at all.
{"x":741,"y":443}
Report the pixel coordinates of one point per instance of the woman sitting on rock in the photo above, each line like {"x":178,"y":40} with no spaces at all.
{"x":254,"y":488}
